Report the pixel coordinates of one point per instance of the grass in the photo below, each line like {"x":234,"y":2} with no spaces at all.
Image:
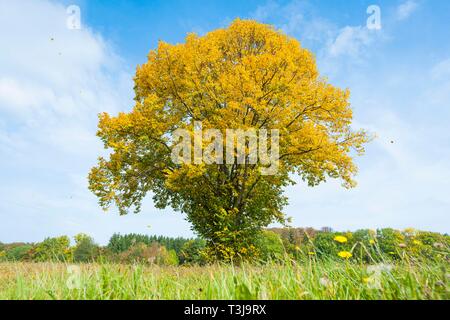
{"x":312,"y":279}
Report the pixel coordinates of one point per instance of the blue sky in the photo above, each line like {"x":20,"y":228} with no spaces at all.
{"x":52,"y":90}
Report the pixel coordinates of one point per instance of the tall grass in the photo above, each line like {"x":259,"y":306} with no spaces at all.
{"x":311,"y":279}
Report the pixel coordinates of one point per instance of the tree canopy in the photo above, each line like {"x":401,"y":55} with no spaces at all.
{"x":248,"y":76}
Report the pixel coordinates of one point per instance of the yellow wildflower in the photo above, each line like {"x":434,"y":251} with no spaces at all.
{"x":311,"y":253}
{"x":340,"y":239}
{"x":345,"y":254}
{"x":366,"y":280}
{"x":417,"y":242}
{"x":371,"y":241}
{"x":297,"y":248}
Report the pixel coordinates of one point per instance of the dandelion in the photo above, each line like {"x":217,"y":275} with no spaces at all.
{"x":345,"y":254}
{"x":371,"y":241}
{"x":417,"y":242}
{"x":340,"y":239}
{"x":367,"y":280}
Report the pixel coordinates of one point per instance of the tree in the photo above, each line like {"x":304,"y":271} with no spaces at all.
{"x":191,"y":252}
{"x":85,"y":249}
{"x":17,"y":251}
{"x":53,"y":249}
{"x":151,"y":254}
{"x":246,"y":77}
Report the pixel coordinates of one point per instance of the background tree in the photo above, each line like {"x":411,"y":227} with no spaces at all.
{"x":53,"y":249}
{"x":85,"y":250}
{"x":248,"y":76}
{"x":192,"y":252}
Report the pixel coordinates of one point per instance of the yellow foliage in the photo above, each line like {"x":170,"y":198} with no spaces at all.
{"x":246,"y":76}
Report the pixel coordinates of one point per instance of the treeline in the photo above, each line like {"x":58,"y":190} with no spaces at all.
{"x":130,"y":248}
{"x":273,"y":244}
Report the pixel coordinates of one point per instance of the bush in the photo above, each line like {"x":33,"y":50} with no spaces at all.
{"x":53,"y":249}
{"x":365,"y":242}
{"x":192,"y":252}
{"x":270,"y":246}
{"x":18,"y":253}
{"x":149,"y":254}
{"x":168,"y":257}
{"x":85,"y":249}
{"x":389,"y":242}
{"x":15,"y":251}
{"x":325,"y":244}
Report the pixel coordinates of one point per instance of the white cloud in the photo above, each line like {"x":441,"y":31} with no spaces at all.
{"x":401,"y":182}
{"x":20,"y":98}
{"x":351,"y":41}
{"x":53,"y":83}
{"x":405,"y":10}
{"x":404,"y":176}
{"x":51,"y":91}
{"x":297,"y":19}
{"x":335,"y":47}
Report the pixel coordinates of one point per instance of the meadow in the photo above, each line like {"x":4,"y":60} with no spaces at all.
{"x":311,"y":279}
{"x":292,"y":263}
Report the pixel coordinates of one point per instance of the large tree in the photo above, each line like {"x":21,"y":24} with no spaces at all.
{"x":248,"y":76}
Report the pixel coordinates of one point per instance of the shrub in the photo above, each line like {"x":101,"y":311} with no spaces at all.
{"x":53,"y":249}
{"x":85,"y":249}
{"x":270,"y":246}
{"x":168,"y":257}
{"x":295,"y":238}
{"x":18,"y":253}
{"x":389,"y":242}
{"x":427,"y":245}
{"x":325,"y":244}
{"x":149,"y":254}
{"x":192,"y":252}
{"x":365,"y":242}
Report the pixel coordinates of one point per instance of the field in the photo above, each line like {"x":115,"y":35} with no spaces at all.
{"x":309,"y":280}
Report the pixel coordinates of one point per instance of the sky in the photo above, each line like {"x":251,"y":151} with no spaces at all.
{"x":54,"y":80}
